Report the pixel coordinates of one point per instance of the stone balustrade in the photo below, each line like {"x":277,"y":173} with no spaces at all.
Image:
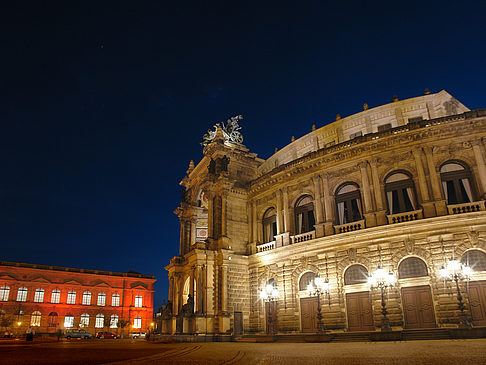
{"x":307,"y":236}
{"x":349,"y":227}
{"x":266,"y":246}
{"x":466,"y":207}
{"x":405,"y":217}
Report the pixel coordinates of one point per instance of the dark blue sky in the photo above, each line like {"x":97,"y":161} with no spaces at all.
{"x":103,"y":104}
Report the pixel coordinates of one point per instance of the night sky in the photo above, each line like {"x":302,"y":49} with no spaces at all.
{"x":103,"y":104}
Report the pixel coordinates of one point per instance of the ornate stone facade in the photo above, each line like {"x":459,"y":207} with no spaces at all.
{"x":400,"y":186}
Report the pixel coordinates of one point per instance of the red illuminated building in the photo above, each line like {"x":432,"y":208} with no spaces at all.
{"x":50,"y":298}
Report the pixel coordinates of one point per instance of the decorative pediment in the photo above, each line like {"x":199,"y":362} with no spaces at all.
{"x":72,"y":282}
{"x":41,"y":279}
{"x":138,"y":285}
{"x":101,"y":283}
{"x":6,"y":276}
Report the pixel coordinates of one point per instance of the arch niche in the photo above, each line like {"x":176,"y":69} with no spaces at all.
{"x":358,"y":304}
{"x":308,"y":304}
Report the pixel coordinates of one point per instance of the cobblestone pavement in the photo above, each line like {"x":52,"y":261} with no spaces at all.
{"x":130,"y":352}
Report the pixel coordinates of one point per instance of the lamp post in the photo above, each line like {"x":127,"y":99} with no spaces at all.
{"x":269,"y":295}
{"x":321,"y":287}
{"x":383,"y":280}
{"x":455,"y":271}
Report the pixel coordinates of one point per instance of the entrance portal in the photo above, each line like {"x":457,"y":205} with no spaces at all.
{"x":308,"y":312}
{"x":360,"y":314}
{"x":477,"y":302}
{"x":418,"y":308}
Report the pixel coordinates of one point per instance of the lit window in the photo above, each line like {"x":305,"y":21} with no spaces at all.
{"x":475,"y":259}
{"x":412,"y":267}
{"x":4,"y":293}
{"x":22,"y":295}
{"x":356,"y":274}
{"x":306,"y":279}
{"x":56,"y":296}
{"x":137,"y":322}
{"x":69,"y":319}
{"x":35,"y":319}
{"x":86,"y":298}
{"x":84,"y":322}
{"x":456,"y":183}
{"x":39,"y":295}
{"x":100,"y":321}
{"x":400,"y":193}
{"x":71,"y":298}
{"x":304,"y":215}
{"x":269,"y":225}
{"x":101,"y":299}
{"x":114,"y":321}
{"x":115,"y":300}
{"x":138,"y":301}
{"x":348,"y":204}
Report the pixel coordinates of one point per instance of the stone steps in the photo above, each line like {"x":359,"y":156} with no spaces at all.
{"x":426,"y":334}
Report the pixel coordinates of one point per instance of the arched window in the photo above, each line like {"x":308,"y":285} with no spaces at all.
{"x":304,"y":215}
{"x":4,"y":293}
{"x":137,"y":322}
{"x":86,"y":298}
{"x":115,"y":300}
{"x":269,"y":225}
{"x":35,"y":319}
{"x":412,"y":267}
{"x":100,"y":321}
{"x":400,"y":193}
{"x":356,"y":274}
{"x":138,"y":301}
{"x":456,"y":183}
{"x":475,"y":259}
{"x":101,"y":299}
{"x":114,"y":321}
{"x":84,"y":321}
{"x":71,"y":298}
{"x":348,"y":204}
{"x":52,"y":319}
{"x":22,"y":295}
{"x":39,"y":295}
{"x":306,"y":279}
{"x":56,"y":296}
{"x":68,"y":320}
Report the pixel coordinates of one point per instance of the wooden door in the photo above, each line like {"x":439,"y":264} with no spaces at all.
{"x":271,"y":317}
{"x":360,"y":313}
{"x":418,"y":308}
{"x":238,"y":325}
{"x":308,"y":313}
{"x":477,"y":302}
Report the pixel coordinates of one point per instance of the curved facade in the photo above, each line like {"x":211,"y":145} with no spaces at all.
{"x":399,"y":187}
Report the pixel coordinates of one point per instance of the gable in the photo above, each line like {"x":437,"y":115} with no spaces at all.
{"x":72,"y":282}
{"x":41,"y":279}
{"x":6,"y":276}
{"x":138,"y":285}
{"x":102,"y":284}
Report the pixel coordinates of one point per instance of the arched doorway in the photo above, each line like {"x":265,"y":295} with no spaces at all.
{"x":358,"y":304}
{"x":418,"y":307}
{"x":308,"y":304}
{"x":52,"y":322}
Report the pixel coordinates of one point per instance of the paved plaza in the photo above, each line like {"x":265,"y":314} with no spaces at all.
{"x":464,"y":352}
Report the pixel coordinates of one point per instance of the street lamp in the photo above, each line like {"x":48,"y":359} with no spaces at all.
{"x":269,"y":294}
{"x":321,"y":287}
{"x":383,"y":280}
{"x":456,"y":271}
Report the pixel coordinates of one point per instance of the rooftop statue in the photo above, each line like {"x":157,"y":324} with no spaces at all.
{"x":230,"y":131}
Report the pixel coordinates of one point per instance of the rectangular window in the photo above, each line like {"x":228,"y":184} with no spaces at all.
{"x":101,"y":299}
{"x":87,"y":298}
{"x":71,"y":298}
{"x":137,"y":322}
{"x":4,"y":292}
{"x":22,"y":295}
{"x":115,"y":300}
{"x":100,"y":321}
{"x":384,"y":127}
{"x":68,"y":321}
{"x":56,"y":296}
{"x":354,"y":135}
{"x":138,"y":301}
{"x":39,"y":296}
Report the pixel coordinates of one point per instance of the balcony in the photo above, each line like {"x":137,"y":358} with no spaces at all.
{"x":307,"y":236}
{"x":266,"y":246}
{"x":405,"y":217}
{"x":466,"y":207}
{"x":349,"y":227}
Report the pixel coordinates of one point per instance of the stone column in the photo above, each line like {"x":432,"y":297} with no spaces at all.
{"x":211,"y":216}
{"x":378,"y":193}
{"x":427,"y":205}
{"x":279,"y":212}
{"x":328,"y":206}
{"x":478,"y":154}
{"x":181,"y":238}
{"x":319,"y":226}
{"x":224,"y":288}
{"x":368,"y":205}
{"x":439,"y":202}
{"x":254,"y":222}
{"x":286,"y":210}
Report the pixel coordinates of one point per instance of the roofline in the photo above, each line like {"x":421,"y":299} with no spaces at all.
{"x":76,"y":270}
